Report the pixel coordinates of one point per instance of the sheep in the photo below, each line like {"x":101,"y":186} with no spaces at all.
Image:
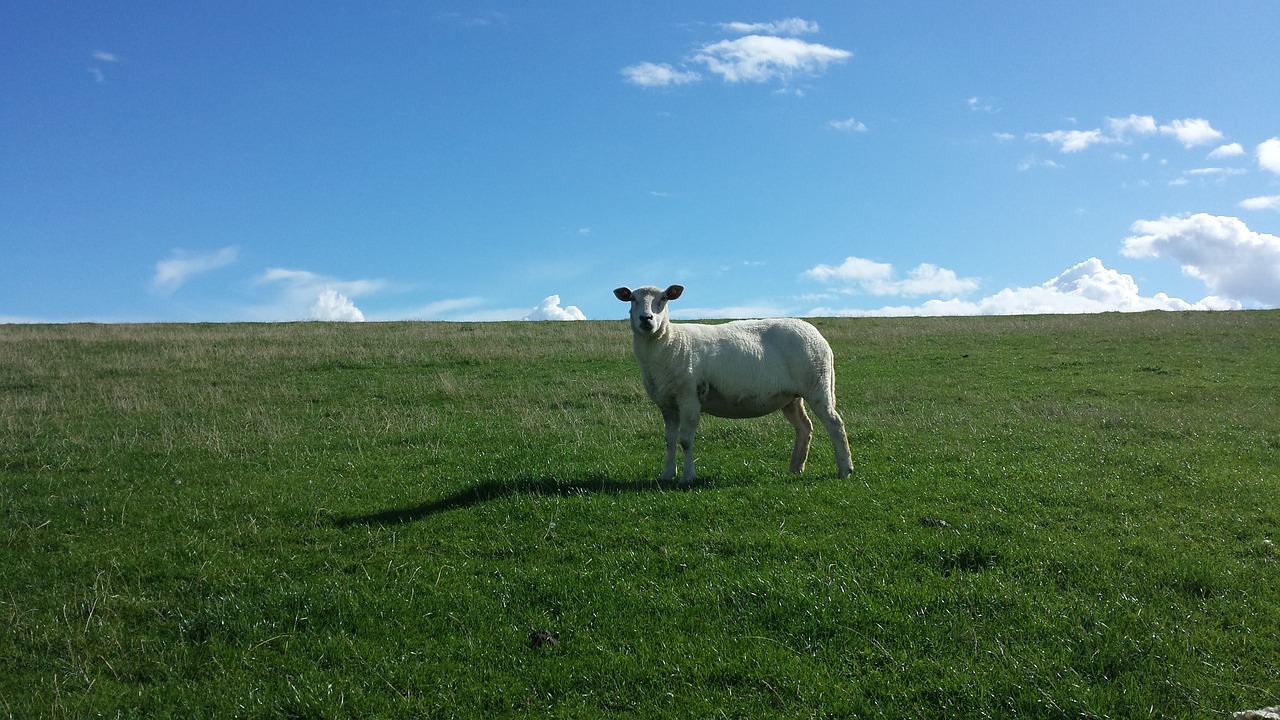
{"x":741,"y":369}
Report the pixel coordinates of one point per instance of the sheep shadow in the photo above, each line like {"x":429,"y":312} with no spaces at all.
{"x":489,"y":490}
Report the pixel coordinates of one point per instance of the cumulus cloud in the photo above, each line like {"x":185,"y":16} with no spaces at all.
{"x":790,"y":26}
{"x":1132,"y":125}
{"x":1088,"y":287}
{"x":549,"y":309}
{"x":172,"y":273}
{"x":1269,"y":155}
{"x":1232,"y":260}
{"x":1266,"y":202}
{"x":860,"y":275}
{"x":763,"y":58}
{"x":333,"y":306}
{"x":765,"y":52}
{"x":1070,"y":141}
{"x":1226,"y":151}
{"x":1190,"y":132}
{"x":305,"y":294}
{"x":647,"y":74}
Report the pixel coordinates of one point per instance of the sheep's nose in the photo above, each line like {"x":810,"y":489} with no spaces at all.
{"x":646,"y":317}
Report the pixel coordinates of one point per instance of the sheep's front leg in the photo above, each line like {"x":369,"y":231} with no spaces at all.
{"x":671,"y":425}
{"x":690,"y":414}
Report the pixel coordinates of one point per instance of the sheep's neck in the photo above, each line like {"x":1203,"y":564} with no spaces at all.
{"x":665,"y":342}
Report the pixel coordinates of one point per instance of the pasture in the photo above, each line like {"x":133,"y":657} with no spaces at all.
{"x":1055,"y":516}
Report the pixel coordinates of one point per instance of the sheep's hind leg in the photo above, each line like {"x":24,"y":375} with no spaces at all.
{"x":799,"y":419}
{"x":825,"y":408}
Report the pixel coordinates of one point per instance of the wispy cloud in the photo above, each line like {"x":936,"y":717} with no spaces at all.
{"x":764,"y":58}
{"x":172,"y":273}
{"x":1033,"y":162}
{"x":790,"y":26}
{"x":102,"y":56}
{"x":765,"y":52}
{"x":977,"y":104}
{"x":486,"y":19}
{"x":1072,"y":141}
{"x":647,"y":74}
{"x":848,"y":125}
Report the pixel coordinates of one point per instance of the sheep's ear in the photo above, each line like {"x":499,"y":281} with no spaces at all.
{"x":674,"y":291}
{"x":623,"y":294}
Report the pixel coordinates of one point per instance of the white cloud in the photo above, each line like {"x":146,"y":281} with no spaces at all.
{"x":1132,"y":125}
{"x":1216,"y":172}
{"x":976,"y":104}
{"x":1226,"y":151}
{"x":1269,"y":155}
{"x":1088,"y":287}
{"x":763,"y":58}
{"x":489,"y":19}
{"x":1035,"y":162}
{"x":1232,"y":260}
{"x":763,"y":54}
{"x":172,"y":273}
{"x":1070,"y":141}
{"x":1191,"y":132}
{"x":103,"y":56}
{"x":730,"y":312}
{"x":549,"y":309}
{"x":790,"y":26}
{"x":1266,"y":202}
{"x":647,"y":74}
{"x":305,"y":294}
{"x":333,"y":306}
{"x":849,"y":125}
{"x":867,"y":276}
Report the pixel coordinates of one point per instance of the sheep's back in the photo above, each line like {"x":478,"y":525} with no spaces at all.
{"x":753,"y":357}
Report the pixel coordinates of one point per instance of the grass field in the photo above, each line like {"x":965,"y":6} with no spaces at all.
{"x":1049,"y":517}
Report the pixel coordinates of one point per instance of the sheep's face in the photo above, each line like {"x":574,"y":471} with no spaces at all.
{"x":648,"y":306}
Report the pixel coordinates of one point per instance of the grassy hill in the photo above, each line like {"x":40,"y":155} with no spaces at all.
{"x":1049,"y":516}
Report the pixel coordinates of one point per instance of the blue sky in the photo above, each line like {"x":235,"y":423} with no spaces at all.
{"x":396,"y":160}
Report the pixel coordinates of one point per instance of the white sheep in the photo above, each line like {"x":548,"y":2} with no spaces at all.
{"x":741,"y":369}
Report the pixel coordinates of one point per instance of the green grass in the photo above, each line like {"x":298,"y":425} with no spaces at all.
{"x":315,"y":521}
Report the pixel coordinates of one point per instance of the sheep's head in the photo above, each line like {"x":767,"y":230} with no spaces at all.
{"x":648,"y":306}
